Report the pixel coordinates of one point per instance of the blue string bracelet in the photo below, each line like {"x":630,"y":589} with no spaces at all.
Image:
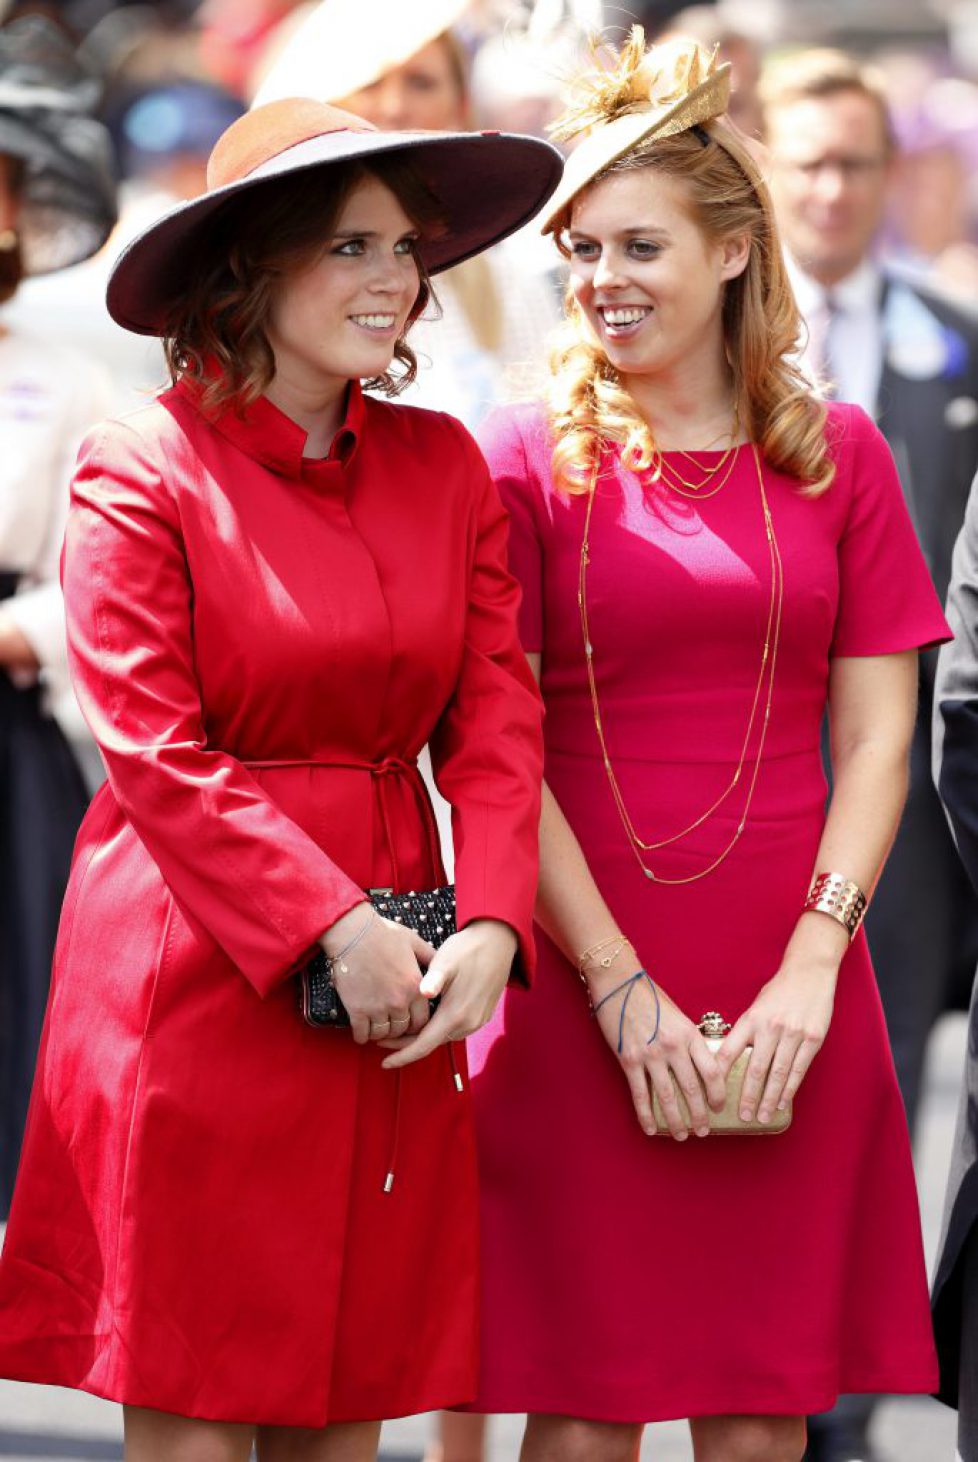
{"x":629,"y":986}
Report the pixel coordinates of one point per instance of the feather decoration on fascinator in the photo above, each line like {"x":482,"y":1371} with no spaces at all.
{"x":640,"y":94}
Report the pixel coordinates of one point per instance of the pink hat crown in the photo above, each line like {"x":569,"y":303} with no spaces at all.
{"x":270,"y":130}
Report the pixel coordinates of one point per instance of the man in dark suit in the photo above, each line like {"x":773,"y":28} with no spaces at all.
{"x":911,"y":361}
{"x":956,"y":776}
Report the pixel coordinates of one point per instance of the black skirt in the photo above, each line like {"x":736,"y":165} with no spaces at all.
{"x":42,"y":801}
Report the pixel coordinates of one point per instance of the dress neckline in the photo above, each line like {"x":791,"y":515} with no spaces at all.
{"x":701,"y":451}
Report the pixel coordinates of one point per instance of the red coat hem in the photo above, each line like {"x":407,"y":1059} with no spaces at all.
{"x":432,"y":1398}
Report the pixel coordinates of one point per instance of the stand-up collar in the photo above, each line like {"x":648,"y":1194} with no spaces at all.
{"x":276,"y":441}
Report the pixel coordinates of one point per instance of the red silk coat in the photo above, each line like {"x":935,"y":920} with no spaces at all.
{"x":262,"y":644}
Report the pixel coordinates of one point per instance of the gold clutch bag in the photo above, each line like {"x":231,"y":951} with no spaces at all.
{"x":726,"y":1123}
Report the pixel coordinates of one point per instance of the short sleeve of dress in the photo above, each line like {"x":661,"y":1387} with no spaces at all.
{"x":887,"y":602}
{"x":504,"y":448}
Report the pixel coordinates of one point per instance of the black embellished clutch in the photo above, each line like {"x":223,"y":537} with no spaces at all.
{"x":430,"y":913}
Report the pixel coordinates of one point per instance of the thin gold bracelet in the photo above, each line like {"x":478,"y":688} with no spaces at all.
{"x":840,"y":898}
{"x":593,"y":949}
{"x":590,"y":955}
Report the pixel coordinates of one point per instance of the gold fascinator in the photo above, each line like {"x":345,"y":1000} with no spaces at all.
{"x":643,"y":93}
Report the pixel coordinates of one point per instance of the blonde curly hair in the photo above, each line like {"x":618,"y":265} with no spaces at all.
{"x":588,"y":403}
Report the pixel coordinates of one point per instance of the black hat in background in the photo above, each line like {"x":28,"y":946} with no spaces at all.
{"x":47,"y":98}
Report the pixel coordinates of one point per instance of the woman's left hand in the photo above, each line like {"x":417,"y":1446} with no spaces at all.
{"x":469,"y":972}
{"x":786,"y":1025}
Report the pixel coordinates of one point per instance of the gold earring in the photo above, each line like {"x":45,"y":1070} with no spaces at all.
{"x":8,"y":240}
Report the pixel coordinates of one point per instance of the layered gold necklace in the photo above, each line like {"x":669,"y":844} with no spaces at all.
{"x":662,"y":470}
{"x":763,"y":690}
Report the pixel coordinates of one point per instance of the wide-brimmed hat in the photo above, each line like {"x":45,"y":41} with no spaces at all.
{"x":655,"y":93}
{"x":67,"y":197}
{"x":340,"y":46}
{"x":488,"y":184}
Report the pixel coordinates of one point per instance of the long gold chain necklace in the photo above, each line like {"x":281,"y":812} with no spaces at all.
{"x":766,"y":673}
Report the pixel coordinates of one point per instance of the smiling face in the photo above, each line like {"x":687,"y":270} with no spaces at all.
{"x":339,"y":318}
{"x":647,"y":280}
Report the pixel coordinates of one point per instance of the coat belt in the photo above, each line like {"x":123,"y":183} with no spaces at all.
{"x":381,"y":772}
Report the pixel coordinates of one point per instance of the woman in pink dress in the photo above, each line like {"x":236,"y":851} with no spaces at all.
{"x":709,"y":558}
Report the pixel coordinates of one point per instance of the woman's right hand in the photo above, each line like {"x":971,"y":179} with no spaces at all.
{"x":378,"y":979}
{"x":677,"y":1050}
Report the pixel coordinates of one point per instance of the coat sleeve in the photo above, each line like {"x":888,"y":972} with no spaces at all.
{"x":956,"y":697}
{"x":487,"y":749}
{"x":242,"y":869}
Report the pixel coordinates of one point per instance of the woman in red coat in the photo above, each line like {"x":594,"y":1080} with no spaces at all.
{"x":278,"y":590}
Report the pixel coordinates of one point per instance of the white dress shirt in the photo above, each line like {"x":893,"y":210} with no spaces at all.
{"x":855,"y":343}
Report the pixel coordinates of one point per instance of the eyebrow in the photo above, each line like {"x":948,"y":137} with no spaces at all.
{"x":369,"y":233}
{"x":645,"y":229}
{"x":830,"y":155}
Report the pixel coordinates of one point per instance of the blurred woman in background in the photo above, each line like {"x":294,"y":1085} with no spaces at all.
{"x":56,"y":208}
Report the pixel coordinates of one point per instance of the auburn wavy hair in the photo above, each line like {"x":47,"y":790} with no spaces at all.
{"x":216,"y":336}
{"x":727,"y":196}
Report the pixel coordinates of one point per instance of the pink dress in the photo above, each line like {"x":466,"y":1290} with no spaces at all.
{"x":630,"y":1278}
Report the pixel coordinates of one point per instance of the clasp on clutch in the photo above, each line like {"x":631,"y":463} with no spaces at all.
{"x":713,"y":1026}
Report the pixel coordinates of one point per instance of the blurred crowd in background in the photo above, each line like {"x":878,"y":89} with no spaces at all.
{"x":175,"y":73}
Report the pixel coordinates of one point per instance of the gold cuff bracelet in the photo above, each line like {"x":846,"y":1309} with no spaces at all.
{"x":840,"y":898}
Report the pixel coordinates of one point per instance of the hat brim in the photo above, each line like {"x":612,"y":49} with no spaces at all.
{"x":488,"y":184}
{"x":613,"y":140}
